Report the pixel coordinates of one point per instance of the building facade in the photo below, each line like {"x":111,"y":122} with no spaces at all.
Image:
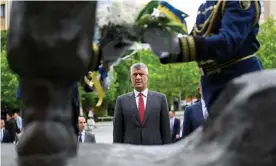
{"x":268,"y":9}
{"x":5,"y":14}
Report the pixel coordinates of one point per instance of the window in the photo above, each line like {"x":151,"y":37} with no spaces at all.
{"x":2,"y":12}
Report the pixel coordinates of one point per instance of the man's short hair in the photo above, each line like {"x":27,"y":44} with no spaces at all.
{"x":139,"y":66}
{"x":82,"y":117}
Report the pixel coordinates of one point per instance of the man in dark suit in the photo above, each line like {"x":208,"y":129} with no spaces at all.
{"x":85,"y":136}
{"x":4,"y":135}
{"x":175,"y":126}
{"x":11,"y":127}
{"x":141,"y":117}
{"x":194,"y":116}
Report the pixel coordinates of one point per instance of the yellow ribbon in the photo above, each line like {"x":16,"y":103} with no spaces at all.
{"x":98,"y":87}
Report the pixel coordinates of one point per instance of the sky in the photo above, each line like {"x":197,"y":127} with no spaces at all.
{"x":188,"y":6}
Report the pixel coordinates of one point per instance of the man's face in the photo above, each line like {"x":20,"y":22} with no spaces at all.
{"x":139,"y":79}
{"x":171,"y":114}
{"x":2,"y":124}
{"x":82,"y":123}
{"x":15,"y":115}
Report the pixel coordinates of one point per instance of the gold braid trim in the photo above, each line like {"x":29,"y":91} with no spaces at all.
{"x":194,"y":33}
{"x":197,"y":30}
{"x":212,"y":21}
{"x":192,"y":45}
{"x":185,"y":49}
{"x":257,"y":18}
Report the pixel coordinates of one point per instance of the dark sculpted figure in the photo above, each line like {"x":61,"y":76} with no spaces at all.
{"x":49,"y":49}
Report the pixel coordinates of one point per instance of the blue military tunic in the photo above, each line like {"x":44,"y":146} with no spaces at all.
{"x":223,"y":42}
{"x":231,"y":39}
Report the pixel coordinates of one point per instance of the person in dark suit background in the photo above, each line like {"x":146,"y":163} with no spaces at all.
{"x":85,"y":136}
{"x":141,"y":117}
{"x":175,"y":126}
{"x":11,"y":127}
{"x":4,"y":135}
{"x":194,"y":116}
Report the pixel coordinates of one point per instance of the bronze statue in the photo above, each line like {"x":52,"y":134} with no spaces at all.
{"x":49,"y":47}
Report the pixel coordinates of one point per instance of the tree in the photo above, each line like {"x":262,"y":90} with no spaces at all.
{"x":172,"y":80}
{"x":267,"y":39}
{"x":9,"y":81}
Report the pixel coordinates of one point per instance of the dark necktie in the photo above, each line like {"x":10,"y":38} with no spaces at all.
{"x":141,"y":108}
{"x":80,"y":138}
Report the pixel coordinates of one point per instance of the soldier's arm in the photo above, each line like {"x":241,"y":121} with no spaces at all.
{"x":236,"y":24}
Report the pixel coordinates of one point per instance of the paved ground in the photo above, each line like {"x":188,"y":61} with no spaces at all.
{"x":103,"y":132}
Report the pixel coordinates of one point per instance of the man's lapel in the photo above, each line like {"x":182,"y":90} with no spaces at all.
{"x":173,"y":126}
{"x":133,"y":106}
{"x":200,"y":112}
{"x":85,"y":137}
{"x":2,"y":135}
{"x":148,"y":106}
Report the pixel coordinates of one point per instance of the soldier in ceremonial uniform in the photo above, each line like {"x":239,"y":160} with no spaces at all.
{"x":223,"y":42}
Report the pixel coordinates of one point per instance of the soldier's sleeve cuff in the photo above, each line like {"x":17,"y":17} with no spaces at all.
{"x":190,"y":48}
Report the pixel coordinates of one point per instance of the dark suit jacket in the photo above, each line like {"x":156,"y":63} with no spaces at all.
{"x":89,"y":137}
{"x":11,"y":127}
{"x":127,"y":127}
{"x":176,"y":129}
{"x":6,"y":136}
{"x":193,"y":118}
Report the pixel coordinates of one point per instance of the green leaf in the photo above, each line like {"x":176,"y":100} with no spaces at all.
{"x":148,"y":9}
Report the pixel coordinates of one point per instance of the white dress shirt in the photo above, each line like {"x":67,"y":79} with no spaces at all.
{"x":145,"y":94}
{"x":82,"y":136}
{"x":2,"y":135}
{"x":204,"y":109}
